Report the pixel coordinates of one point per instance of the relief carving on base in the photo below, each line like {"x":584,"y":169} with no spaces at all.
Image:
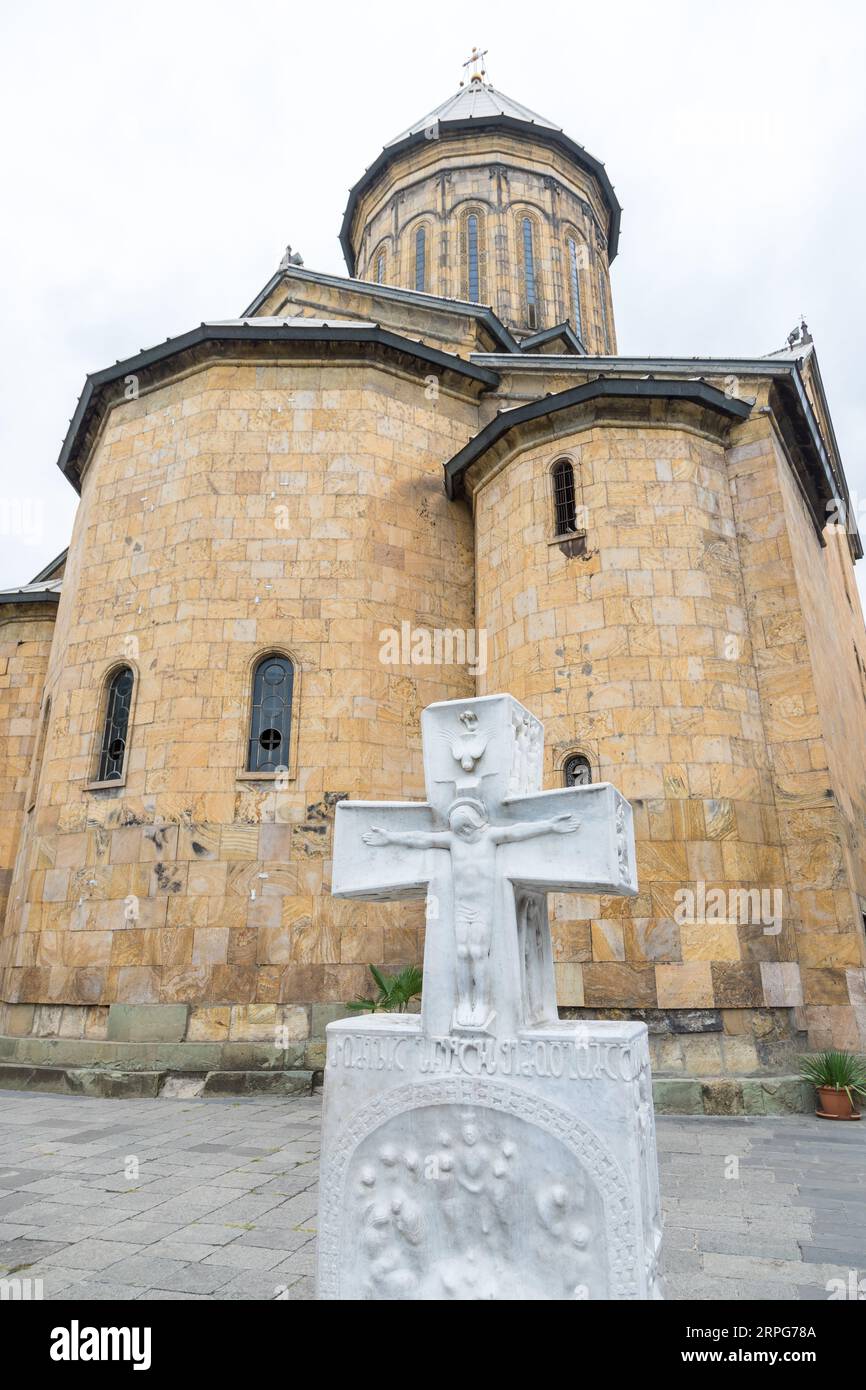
{"x":436,"y":1188}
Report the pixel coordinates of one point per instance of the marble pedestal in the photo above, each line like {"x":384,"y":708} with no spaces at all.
{"x":488,"y":1168}
{"x":484,"y":1149}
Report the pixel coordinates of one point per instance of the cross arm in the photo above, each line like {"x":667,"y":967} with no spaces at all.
{"x":397,"y":862}
{"x":599,"y":857}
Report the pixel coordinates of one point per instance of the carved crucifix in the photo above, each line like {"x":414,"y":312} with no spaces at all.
{"x":485,"y":849}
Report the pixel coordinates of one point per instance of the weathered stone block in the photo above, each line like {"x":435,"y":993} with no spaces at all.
{"x":147,"y":1022}
{"x":722,"y":1097}
{"x":673,"y":1096}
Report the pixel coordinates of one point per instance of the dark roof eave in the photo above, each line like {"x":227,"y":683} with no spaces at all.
{"x":542,"y":133}
{"x":219,"y":333}
{"x":698,"y":392}
{"x":37,"y":596}
{"x":837,"y":482}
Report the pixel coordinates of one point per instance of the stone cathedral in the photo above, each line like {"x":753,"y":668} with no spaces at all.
{"x":432,"y":478}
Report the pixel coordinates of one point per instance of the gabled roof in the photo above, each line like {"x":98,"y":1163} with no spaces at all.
{"x":482,"y":313}
{"x":54,"y":570}
{"x":561,"y":332}
{"x":481,"y":107}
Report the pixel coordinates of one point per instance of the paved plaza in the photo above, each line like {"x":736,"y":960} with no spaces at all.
{"x":168,"y":1199}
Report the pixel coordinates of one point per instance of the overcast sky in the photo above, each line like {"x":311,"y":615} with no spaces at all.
{"x":157,"y":158}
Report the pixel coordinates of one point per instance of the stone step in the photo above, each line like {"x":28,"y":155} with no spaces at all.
{"x":121,"y":1084}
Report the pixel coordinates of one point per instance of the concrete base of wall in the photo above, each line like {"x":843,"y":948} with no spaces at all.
{"x":705,"y":1061}
{"x":118,"y":1084}
{"x":75,"y":1066}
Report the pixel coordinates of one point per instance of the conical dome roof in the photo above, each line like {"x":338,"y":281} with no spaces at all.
{"x":475,"y":101}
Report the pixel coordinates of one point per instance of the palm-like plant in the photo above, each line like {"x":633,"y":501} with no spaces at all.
{"x":841,"y":1071}
{"x":395,"y":992}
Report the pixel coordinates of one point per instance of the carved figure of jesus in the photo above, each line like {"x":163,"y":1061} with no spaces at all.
{"x":472,"y":842}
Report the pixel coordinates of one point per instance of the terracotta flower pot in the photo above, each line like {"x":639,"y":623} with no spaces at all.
{"x":835,"y":1105}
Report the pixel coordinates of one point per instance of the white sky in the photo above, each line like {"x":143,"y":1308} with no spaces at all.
{"x":156,"y":159}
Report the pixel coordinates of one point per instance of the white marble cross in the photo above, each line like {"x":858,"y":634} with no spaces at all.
{"x":485,"y":849}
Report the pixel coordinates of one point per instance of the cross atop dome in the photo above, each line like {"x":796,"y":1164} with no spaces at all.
{"x":476,"y":62}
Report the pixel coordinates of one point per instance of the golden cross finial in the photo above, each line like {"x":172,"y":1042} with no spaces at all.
{"x":476,"y":62}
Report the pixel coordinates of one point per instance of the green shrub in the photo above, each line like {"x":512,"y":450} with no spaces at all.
{"x":395,"y":992}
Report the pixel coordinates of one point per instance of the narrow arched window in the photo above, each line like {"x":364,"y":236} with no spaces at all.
{"x":380,"y":268}
{"x":529,"y":274}
{"x":602,"y":299}
{"x":564,"y":498}
{"x":574,"y":258}
{"x":577,"y":771}
{"x":421,"y":259}
{"x":115,"y":730}
{"x":271,"y":716}
{"x":473,"y":282}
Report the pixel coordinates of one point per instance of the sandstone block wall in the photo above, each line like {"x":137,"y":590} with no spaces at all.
{"x":240,"y":509}
{"x":810,"y":649}
{"x":664,"y":656}
{"x":26,"y":632}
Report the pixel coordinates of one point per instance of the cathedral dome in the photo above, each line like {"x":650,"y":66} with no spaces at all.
{"x":475,"y":101}
{"x":485,"y":200}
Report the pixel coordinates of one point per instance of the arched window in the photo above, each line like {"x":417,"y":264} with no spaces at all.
{"x":564,"y":498}
{"x":577,"y":771}
{"x":529,"y":284}
{"x":380,"y":268}
{"x":421,"y":259}
{"x":271,"y":716}
{"x":472,"y":255}
{"x":574,"y":262}
{"x":473,"y":281}
{"x":602,"y":299}
{"x":115,"y":730}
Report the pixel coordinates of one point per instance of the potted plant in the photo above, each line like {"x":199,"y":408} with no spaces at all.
{"x":395,"y":992}
{"x":838,"y":1077}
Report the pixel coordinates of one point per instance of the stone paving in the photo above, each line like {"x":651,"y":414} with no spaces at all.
{"x":186,"y":1199}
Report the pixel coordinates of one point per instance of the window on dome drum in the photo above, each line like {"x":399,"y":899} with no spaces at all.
{"x":577,"y":771}
{"x":564,"y":498}
{"x":574,"y":275}
{"x":602,"y":299}
{"x":530,"y":288}
{"x":472,"y":258}
{"x":420,"y":259}
{"x":271,"y":717}
{"x":115,"y":730}
{"x":380,"y":268}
